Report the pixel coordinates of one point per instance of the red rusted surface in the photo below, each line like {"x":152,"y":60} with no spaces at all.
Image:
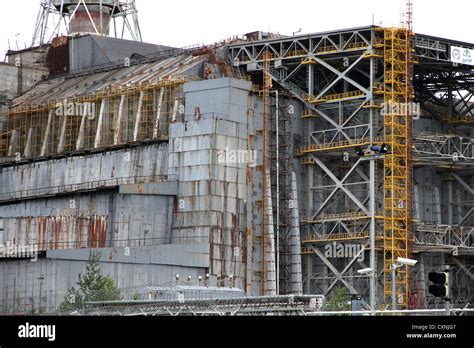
{"x":42,"y":223}
{"x":224,"y":238}
{"x":80,"y":223}
{"x":224,"y":67}
{"x":28,"y":230}
{"x":98,"y":233}
{"x":82,"y":21}
{"x":200,"y":51}
{"x":58,"y":232}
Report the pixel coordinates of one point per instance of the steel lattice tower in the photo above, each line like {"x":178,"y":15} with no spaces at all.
{"x":117,"y":18}
{"x":397,"y":217}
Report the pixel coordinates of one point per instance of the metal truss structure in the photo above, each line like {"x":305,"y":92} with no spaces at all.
{"x":347,"y":80}
{"x":397,"y":175}
{"x":443,"y":149}
{"x":58,"y":14}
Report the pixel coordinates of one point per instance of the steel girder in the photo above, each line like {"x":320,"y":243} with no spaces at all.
{"x":436,"y":149}
{"x":326,"y":72}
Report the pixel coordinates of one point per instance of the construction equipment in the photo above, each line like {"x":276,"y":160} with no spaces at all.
{"x":397,"y":181}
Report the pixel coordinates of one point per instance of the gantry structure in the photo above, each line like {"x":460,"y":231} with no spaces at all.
{"x":364,"y":90}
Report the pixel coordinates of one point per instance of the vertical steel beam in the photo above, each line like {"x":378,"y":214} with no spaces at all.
{"x":269,"y":276}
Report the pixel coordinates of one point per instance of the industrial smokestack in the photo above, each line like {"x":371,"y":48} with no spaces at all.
{"x":93,"y":19}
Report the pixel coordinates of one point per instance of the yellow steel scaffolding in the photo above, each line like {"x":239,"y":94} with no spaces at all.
{"x":397,"y":173}
{"x":92,"y":122}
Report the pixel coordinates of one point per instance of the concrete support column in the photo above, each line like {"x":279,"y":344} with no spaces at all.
{"x":62,"y":138}
{"x":118,"y":125}
{"x":13,"y":143}
{"x":98,"y":137}
{"x":29,"y":140}
{"x":47,"y":134}
{"x":138,"y":118}
{"x":311,"y":79}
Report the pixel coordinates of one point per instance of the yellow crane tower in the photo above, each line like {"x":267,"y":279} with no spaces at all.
{"x":398,"y":164}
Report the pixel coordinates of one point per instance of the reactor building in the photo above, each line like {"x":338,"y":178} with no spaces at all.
{"x":264,"y":164}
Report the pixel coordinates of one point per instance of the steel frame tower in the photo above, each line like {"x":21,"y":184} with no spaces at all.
{"x":54,"y":16}
{"x":343,"y":79}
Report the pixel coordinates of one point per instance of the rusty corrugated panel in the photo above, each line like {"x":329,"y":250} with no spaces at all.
{"x":98,"y":232}
{"x":57,"y":233}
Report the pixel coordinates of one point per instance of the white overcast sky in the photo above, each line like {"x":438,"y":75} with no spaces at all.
{"x":189,"y":22}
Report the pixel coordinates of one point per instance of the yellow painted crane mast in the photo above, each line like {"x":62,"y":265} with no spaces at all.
{"x":397,"y":178}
